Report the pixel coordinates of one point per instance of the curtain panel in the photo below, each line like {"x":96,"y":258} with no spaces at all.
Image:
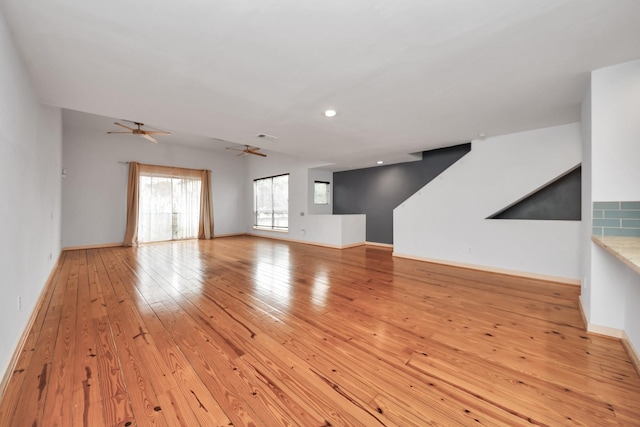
{"x":205,"y":222}
{"x":133,"y":188}
{"x":205,"y":226}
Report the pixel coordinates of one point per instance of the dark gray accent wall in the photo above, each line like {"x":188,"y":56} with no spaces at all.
{"x":559,"y":200}
{"x":378,"y":190}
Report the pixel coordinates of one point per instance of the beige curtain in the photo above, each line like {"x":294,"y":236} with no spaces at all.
{"x":169,"y":171}
{"x":131,"y":232}
{"x":205,"y":228}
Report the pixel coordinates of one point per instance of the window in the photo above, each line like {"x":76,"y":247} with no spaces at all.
{"x":167,"y":203}
{"x":169,"y":208}
{"x":321,"y":192}
{"x":271,"y":206}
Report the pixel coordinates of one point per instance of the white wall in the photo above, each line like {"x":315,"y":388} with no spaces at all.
{"x":305,"y":228}
{"x":94,"y":190}
{"x":614,"y":157}
{"x":587,"y":212}
{"x":615,"y":94}
{"x":631,"y":309}
{"x":332,"y":230}
{"x":445,"y":220}
{"x":30,"y":159}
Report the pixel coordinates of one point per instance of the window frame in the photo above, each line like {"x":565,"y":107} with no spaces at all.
{"x":328,"y":187}
{"x":172,"y":176}
{"x":273,"y":227}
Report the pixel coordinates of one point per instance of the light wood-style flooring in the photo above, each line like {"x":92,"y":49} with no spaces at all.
{"x":243,"y":331}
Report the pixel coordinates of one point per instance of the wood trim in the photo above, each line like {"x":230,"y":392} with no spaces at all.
{"x":162,"y":242}
{"x":633,"y":354}
{"x":605,"y":331}
{"x":216,"y":236}
{"x":631,"y":351}
{"x":352,"y":245}
{"x":326,"y":245}
{"x":25,"y":333}
{"x":621,"y":247}
{"x":306,"y":242}
{"x":503,"y":271}
{"x":117,"y":244}
{"x":102,"y":245}
{"x":582,"y":313}
{"x":381,"y":245}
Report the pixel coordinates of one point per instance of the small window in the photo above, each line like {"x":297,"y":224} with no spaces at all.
{"x":321,"y":192}
{"x":271,"y":202}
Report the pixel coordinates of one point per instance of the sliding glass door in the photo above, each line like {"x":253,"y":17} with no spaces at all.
{"x":169,"y":208}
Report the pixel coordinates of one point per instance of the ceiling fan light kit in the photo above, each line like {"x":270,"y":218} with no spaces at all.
{"x":146,"y":134}
{"x":247,"y":150}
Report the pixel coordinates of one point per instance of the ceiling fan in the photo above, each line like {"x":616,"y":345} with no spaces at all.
{"x":247,"y":150}
{"x":146,"y":134}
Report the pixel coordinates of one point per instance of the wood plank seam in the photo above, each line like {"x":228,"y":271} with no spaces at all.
{"x":248,"y":330}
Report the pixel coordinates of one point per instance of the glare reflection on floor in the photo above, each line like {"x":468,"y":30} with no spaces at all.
{"x":272,"y":277}
{"x":320,"y":288}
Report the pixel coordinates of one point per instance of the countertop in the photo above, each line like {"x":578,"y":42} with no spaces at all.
{"x":626,"y":249}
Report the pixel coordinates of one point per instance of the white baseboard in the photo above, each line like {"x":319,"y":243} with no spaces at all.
{"x":504,"y":271}
{"x":102,"y":245}
{"x":306,"y":242}
{"x":380,"y":245}
{"x":598,"y":329}
{"x":217,"y":236}
{"x":605,"y":330}
{"x":116,"y":244}
{"x":6,"y":376}
{"x":633,"y":353}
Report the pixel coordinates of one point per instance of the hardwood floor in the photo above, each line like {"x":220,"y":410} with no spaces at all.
{"x":245,"y":331}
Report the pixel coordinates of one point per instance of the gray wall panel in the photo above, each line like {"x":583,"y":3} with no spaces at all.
{"x":560,"y":200}
{"x":378,"y":190}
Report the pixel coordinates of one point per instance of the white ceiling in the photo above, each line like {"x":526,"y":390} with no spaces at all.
{"x":404,"y":75}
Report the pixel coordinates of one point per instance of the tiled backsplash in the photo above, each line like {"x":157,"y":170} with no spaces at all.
{"x":616,"y":219}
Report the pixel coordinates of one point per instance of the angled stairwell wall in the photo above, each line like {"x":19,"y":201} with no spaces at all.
{"x":446,"y":219}
{"x":376,"y":191}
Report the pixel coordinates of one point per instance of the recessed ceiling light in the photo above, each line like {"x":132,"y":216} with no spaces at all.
{"x":330,"y":113}
{"x":380,"y":162}
{"x":482,"y":135}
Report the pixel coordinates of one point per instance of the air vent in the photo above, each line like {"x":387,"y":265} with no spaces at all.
{"x":266,"y":136}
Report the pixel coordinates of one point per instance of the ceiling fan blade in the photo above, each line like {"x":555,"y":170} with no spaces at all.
{"x":147,"y":137}
{"x":156,"y":132}
{"x":121,"y":125}
{"x":129,"y":133}
{"x":247,"y":150}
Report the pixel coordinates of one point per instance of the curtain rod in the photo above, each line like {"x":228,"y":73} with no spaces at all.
{"x":126,"y":163}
